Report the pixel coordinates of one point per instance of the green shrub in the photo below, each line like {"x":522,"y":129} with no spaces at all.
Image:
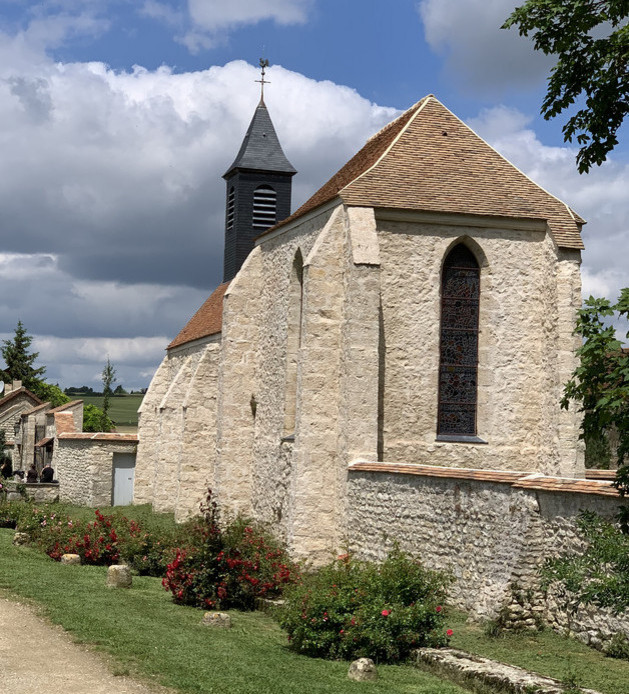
{"x":599,"y":575}
{"x":227,"y":565}
{"x":618,"y":647}
{"x":350,"y":609}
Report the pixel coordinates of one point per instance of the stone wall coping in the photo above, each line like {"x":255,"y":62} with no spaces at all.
{"x":520,"y":480}
{"x":600,"y":474}
{"x":99,"y":436}
{"x":567,"y":484}
{"x":504,"y":476}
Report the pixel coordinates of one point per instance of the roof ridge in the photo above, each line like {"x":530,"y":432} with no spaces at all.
{"x":418,"y":106}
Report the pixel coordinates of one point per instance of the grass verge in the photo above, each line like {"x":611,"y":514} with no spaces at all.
{"x":545,"y":652}
{"x":151,"y":637}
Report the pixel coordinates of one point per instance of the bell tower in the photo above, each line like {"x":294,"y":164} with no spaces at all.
{"x":259,"y":186}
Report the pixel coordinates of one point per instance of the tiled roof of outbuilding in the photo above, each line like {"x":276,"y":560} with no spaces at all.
{"x":206,"y":321}
{"x":19,"y":391}
{"x":429,"y":160}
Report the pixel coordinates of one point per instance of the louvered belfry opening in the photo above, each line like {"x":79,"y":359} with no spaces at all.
{"x":458,"y":363}
{"x":231,"y":201}
{"x":264,"y":208}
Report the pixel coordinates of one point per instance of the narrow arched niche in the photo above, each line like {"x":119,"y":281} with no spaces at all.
{"x":293,"y":341}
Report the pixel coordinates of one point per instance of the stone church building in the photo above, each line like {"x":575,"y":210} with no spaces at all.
{"x":414,"y":317}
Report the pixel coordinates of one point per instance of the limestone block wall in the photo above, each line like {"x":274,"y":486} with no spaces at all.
{"x":256,"y":463}
{"x":484,"y":529}
{"x":84,"y":466}
{"x":177,"y":430}
{"x":529,"y":296}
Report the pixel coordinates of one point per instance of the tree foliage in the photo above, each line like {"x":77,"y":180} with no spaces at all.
{"x":600,"y":384}
{"x":590,"y":39}
{"x":109,"y":378}
{"x":94,"y":419}
{"x":19,"y":361}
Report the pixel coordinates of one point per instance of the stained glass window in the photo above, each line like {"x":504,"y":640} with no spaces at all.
{"x":458,"y":363}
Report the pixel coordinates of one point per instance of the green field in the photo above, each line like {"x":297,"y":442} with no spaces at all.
{"x":123,"y":409}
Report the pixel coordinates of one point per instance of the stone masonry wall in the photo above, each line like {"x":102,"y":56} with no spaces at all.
{"x":529,"y":296}
{"x":491,"y":536}
{"x":84,"y":468}
{"x":177,"y":430}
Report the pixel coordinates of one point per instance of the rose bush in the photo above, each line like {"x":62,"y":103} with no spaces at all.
{"x":228,"y":565}
{"x":351,"y":609}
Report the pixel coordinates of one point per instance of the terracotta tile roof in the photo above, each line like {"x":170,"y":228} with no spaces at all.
{"x":44,"y":441}
{"x":429,"y":160}
{"x":520,"y":480}
{"x":43,"y":406}
{"x":100,"y":436}
{"x":65,"y":406}
{"x":208,"y":320}
{"x":15,"y":393}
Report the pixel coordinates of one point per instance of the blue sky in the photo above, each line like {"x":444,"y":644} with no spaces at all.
{"x":118,"y":119}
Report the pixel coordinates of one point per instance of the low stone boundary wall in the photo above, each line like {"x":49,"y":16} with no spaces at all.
{"x":42,"y":492}
{"x":492,"y":530}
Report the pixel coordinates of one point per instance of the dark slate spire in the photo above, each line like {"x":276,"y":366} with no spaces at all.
{"x":258,"y":190}
{"x":261,"y":149}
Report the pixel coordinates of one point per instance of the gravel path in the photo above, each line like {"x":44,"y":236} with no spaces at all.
{"x":39,"y":658}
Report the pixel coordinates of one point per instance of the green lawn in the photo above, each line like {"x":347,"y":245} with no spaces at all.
{"x":545,"y":652}
{"x":123,"y":409}
{"x":150,"y":636}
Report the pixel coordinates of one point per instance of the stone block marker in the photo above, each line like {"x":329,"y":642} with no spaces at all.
{"x":118,"y":576}
{"x":70,"y":559}
{"x":217,"y":619}
{"x":21,"y":539}
{"x":483,"y":675}
{"x":363,"y":670}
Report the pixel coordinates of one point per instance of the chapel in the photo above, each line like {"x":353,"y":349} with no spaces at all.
{"x":417,"y":310}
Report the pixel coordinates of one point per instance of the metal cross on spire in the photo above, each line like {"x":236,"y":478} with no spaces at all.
{"x":264,"y":63}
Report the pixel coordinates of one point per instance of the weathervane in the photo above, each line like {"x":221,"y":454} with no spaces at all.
{"x":264,"y":63}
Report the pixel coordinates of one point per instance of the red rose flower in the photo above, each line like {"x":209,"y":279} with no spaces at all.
{"x":438,"y":608}
{"x":449,"y":633}
{"x":385,"y":613}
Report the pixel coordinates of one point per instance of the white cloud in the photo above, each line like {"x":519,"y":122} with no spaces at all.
{"x":218,"y":14}
{"x":479,"y":54}
{"x":111,"y":190}
{"x":600,"y":197}
{"x":203,"y":24}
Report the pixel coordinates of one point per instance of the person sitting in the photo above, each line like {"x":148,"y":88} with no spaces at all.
{"x":31,"y":475}
{"x":47,"y":473}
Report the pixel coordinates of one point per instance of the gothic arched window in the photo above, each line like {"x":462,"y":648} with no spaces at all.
{"x":264,"y":208}
{"x":458,"y":363}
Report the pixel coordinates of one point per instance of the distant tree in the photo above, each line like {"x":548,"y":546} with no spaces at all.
{"x":590,"y":39}
{"x":600,"y":384}
{"x":120,"y":391}
{"x":19,"y":361}
{"x":94,"y":419}
{"x":109,"y":378}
